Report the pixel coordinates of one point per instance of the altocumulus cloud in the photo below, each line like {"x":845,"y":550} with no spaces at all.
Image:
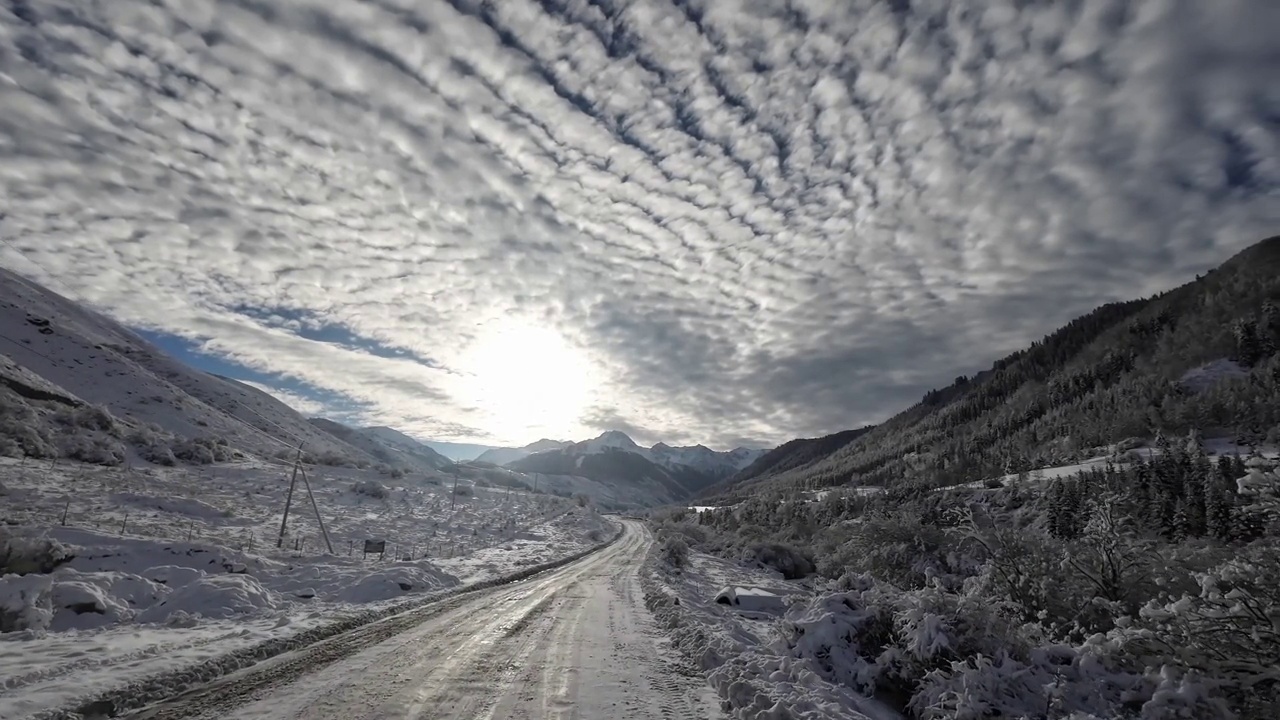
{"x":757,"y":218}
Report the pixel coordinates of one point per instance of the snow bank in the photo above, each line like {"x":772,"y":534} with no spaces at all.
{"x":25,"y":602}
{"x":751,"y":599}
{"x":1206,"y":376}
{"x":89,"y":600}
{"x":217,"y":596}
{"x":190,"y":507}
{"x":395,"y":581}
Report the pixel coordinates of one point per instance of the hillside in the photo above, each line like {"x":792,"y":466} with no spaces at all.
{"x":615,"y":467}
{"x":505,"y":455}
{"x":405,"y":454}
{"x":152,"y":399}
{"x":1115,"y":373}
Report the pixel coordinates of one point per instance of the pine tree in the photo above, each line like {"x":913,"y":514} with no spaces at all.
{"x":1269,"y":327}
{"x":1249,"y":348}
{"x":1219,"y":511}
{"x":1178,"y":528}
{"x":1195,"y":520}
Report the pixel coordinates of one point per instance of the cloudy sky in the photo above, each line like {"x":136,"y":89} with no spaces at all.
{"x":714,"y":221}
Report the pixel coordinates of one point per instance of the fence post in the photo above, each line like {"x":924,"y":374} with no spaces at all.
{"x":124,"y":524}
{"x":65,"y":508}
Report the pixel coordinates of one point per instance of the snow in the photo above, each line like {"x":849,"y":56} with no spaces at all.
{"x":743,"y":653}
{"x":609,"y":440}
{"x":502,"y":456}
{"x":697,"y":457}
{"x":1119,"y":454}
{"x":131,"y":595}
{"x":751,"y":599}
{"x":1206,"y":376}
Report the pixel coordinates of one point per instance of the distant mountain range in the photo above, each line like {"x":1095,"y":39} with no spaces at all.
{"x":76,"y":384}
{"x":668,"y":473}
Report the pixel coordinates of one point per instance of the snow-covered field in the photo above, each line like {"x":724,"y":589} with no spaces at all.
{"x":161,"y":567}
{"x":743,"y":652}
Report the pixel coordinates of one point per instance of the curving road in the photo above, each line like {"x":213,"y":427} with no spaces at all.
{"x":573,"y":643}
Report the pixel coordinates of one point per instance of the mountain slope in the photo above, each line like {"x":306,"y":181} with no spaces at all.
{"x":410,"y":456}
{"x":103,"y":363}
{"x":791,"y":455}
{"x":697,"y":464}
{"x":1114,"y":373}
{"x":503,"y":456}
{"x":417,"y":451}
{"x":614,"y":467}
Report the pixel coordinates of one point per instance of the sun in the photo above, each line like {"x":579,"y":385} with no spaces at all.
{"x":528,"y":380}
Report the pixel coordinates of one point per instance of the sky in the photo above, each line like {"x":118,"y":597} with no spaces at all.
{"x":726,"y":221}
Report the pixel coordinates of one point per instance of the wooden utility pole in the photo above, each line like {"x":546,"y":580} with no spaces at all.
{"x":288,"y":501}
{"x":453,"y":497}
{"x":316,"y":507}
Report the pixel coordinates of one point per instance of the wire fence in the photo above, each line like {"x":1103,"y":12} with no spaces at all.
{"x":191,"y":506}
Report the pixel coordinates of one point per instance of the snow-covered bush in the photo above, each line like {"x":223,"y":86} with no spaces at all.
{"x":158,"y":453}
{"x":24,"y":554}
{"x":955,"y":655}
{"x":792,"y":562}
{"x":371,"y":488}
{"x":93,"y":448}
{"x":95,"y":417}
{"x":23,"y":428}
{"x":330,"y":458}
{"x":898,"y":549}
{"x":25,"y":602}
{"x":1229,"y":629}
{"x":202,"y":451}
{"x":675,"y":552}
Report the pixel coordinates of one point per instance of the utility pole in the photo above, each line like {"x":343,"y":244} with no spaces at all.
{"x":453,"y":497}
{"x":316,"y":507}
{"x":288,"y":501}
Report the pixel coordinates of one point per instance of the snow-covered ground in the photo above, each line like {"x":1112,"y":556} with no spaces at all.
{"x":165,"y":567}
{"x":743,"y":652}
{"x":1213,"y":447}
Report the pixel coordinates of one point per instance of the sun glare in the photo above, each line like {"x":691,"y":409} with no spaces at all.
{"x":528,"y":380}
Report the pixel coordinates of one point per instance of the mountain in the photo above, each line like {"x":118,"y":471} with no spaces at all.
{"x":1202,"y":356}
{"x":458,"y":452}
{"x":74,"y":383}
{"x":665,"y":473}
{"x":405,"y":445}
{"x":790,"y":455}
{"x":503,"y":456}
{"x":703,"y":459}
{"x":387,"y":446}
{"x":678,"y":460}
{"x":101,"y":363}
{"x":630,"y":473}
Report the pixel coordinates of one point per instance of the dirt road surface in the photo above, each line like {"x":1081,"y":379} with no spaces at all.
{"x":574,"y":643}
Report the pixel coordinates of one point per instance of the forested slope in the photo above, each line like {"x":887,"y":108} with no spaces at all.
{"x":1114,"y":373}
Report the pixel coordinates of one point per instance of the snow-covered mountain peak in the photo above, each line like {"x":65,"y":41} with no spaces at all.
{"x":615,"y":439}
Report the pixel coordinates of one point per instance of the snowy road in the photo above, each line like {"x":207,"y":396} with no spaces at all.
{"x":575,"y":642}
